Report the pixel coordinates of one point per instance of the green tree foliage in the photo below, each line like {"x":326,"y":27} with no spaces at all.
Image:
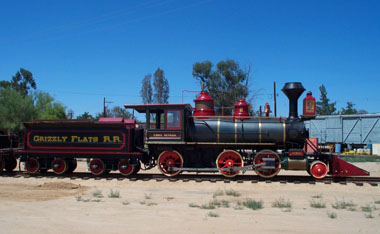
{"x":349,"y":110}
{"x":18,"y":104}
{"x":324,"y":107}
{"x":146,"y":91}
{"x":85,"y":115}
{"x":15,"y":109}
{"x":226,"y":84}
{"x":22,"y":81}
{"x":161,"y":87}
{"x":116,"y":111}
{"x":47,"y":108}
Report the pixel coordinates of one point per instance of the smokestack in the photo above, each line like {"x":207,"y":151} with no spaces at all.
{"x":293,"y":91}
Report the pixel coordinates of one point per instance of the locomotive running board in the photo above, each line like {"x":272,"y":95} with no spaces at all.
{"x":341,"y":168}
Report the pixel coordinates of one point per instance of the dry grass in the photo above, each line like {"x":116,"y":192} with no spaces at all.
{"x":282,"y":203}
{"x":233,"y":193}
{"x":332,"y":215}
{"x":317,"y":203}
{"x":213,"y":215}
{"x":341,"y":205}
{"x":114,"y":194}
{"x":97,"y":193}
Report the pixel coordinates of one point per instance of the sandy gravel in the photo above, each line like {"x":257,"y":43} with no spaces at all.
{"x":56,"y":205}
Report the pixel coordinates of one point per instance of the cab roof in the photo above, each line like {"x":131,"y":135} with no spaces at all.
{"x":158,"y":108}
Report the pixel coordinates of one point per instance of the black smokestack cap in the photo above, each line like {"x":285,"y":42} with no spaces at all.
{"x":293,"y":91}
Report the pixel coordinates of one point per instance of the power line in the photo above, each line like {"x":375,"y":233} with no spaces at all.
{"x":46,"y":34}
{"x":102,"y":94}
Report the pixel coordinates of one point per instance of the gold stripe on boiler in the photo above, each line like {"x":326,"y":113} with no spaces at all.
{"x":218,"y":131}
{"x":284,"y":127}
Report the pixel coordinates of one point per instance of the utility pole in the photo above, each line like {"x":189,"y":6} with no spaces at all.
{"x":274,"y":99}
{"x":104,"y":107}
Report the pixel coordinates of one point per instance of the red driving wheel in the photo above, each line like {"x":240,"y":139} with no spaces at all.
{"x":125,"y":167}
{"x":32,"y":165}
{"x":97,"y":166}
{"x":318,"y":169}
{"x":229,"y":159}
{"x":264,"y":158}
{"x":59,"y":166}
{"x":167,"y":159}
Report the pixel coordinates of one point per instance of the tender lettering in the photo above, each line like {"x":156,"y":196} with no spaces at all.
{"x":76,"y":139}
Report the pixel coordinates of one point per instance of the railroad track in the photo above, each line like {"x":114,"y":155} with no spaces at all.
{"x":359,"y":181}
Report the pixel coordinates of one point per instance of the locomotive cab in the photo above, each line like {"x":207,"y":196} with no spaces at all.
{"x":164,"y":122}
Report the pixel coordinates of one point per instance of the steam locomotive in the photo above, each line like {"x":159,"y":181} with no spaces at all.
{"x":176,"y":138}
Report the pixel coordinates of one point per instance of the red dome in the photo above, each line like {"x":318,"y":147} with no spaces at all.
{"x":204,"y":96}
{"x":204,"y":105}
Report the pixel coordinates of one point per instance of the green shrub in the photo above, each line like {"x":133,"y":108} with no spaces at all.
{"x":368,"y":208}
{"x":97,"y":194}
{"x":317,"y":203}
{"x":79,"y":198}
{"x":214,"y":215}
{"x":253,"y":204}
{"x":315,"y":196}
{"x":193,"y":205}
{"x":225,"y":204}
{"x":211,"y":205}
{"x":341,"y":205}
{"x":218,"y":193}
{"x":233,"y":193}
{"x":281,"y":203}
{"x":332,"y":215}
{"x":239,"y":206}
{"x":169,"y":198}
{"x":114,"y":194}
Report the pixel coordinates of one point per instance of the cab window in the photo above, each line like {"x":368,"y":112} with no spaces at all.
{"x":173,"y":118}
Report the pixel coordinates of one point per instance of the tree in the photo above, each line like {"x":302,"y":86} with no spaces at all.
{"x":47,"y":107}
{"x":349,"y":110}
{"x":161,"y":87}
{"x":15,"y":109}
{"x":146,"y":91}
{"x":227,"y":84}
{"x":85,"y":115}
{"x":18,"y":105}
{"x":116,"y":111}
{"x":22,"y":81}
{"x":324,"y":107}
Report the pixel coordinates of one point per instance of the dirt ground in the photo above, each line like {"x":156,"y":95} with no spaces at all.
{"x":64,"y":205}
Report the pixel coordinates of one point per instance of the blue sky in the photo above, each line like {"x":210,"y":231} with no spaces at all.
{"x":82,"y":51}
